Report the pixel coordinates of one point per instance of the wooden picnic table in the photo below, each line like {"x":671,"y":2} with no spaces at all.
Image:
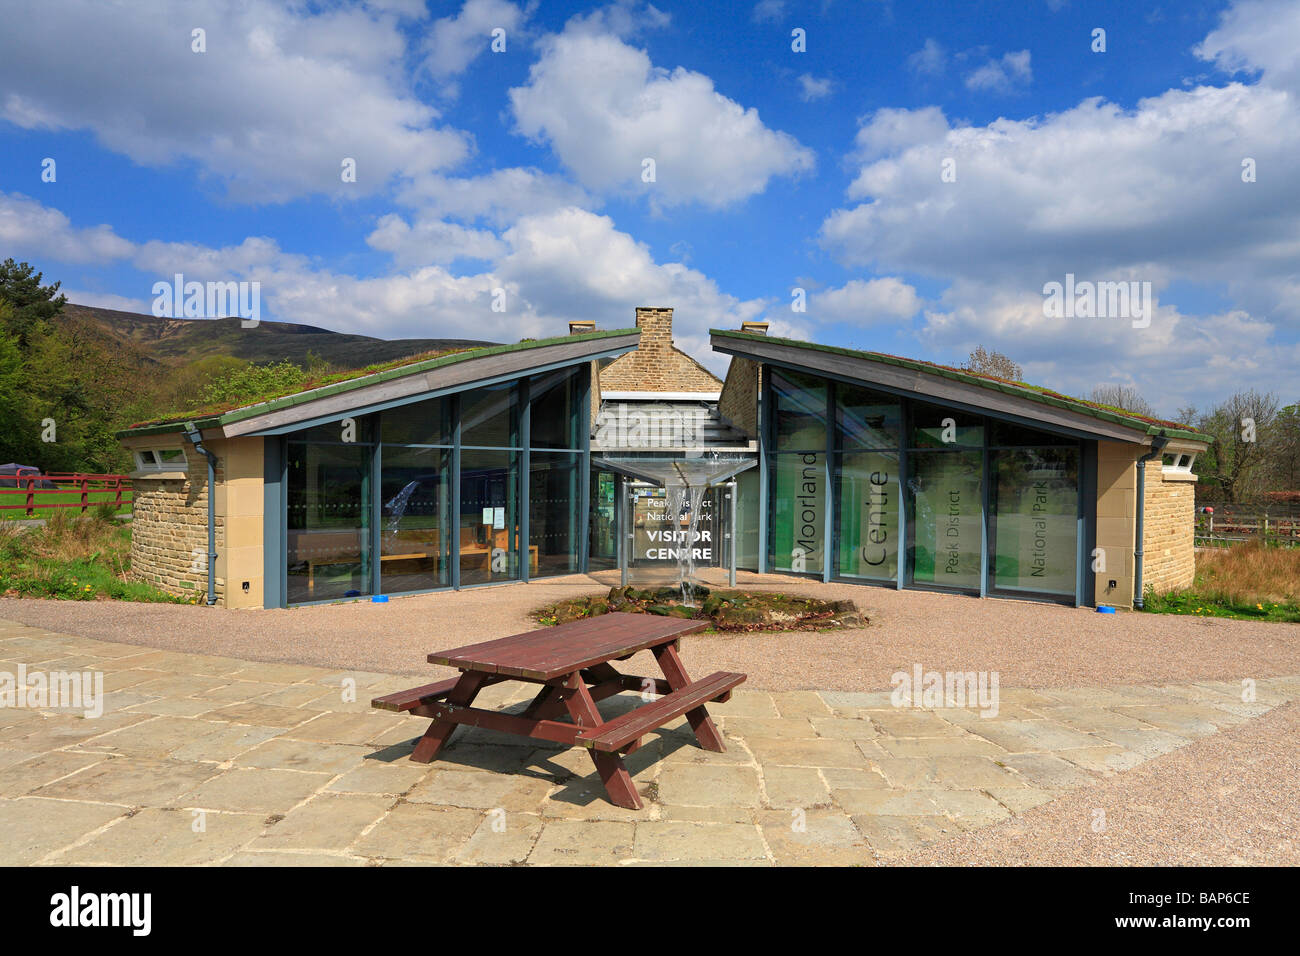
{"x":571,"y":662}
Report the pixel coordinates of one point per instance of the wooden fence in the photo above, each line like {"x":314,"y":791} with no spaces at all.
{"x":31,"y":493}
{"x":1230,"y":524}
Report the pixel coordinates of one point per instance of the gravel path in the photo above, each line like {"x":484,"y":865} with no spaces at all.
{"x":1230,"y":799}
{"x":1029,"y":644}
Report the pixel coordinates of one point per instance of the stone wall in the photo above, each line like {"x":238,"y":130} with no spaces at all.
{"x":739,"y":401}
{"x":655,"y":365}
{"x":169,"y":523}
{"x":169,"y":528}
{"x":1168,"y":530}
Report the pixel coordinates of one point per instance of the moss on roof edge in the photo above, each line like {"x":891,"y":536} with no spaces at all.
{"x":1020,"y":390}
{"x":211,"y":419}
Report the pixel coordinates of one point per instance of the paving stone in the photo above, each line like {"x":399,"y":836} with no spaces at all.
{"x":260,"y":715}
{"x":1047,"y":771}
{"x":698,"y":814}
{"x":970,"y":809}
{"x":1038,"y":736}
{"x":817,"y":752}
{"x":790,"y":787}
{"x":341,"y":728}
{"x":912,"y":723}
{"x":896,"y":835}
{"x":418,"y":831}
{"x":376,"y":776}
{"x":1187,"y":720}
{"x":280,"y":860}
{"x":154,"y":837}
{"x":576,"y":843}
{"x":667,"y":840}
{"x":34,"y":827}
{"x":465,"y":788}
{"x":949,"y":772}
{"x":800,"y":703}
{"x":253,"y":789}
{"x":328,"y":821}
{"x":53,"y":731}
{"x":1020,"y":799}
{"x":748,"y":703}
{"x":967,"y":745}
{"x":896,"y":803}
{"x":839,"y":701}
{"x":175,"y":707}
{"x":814,"y":838}
{"x":277,"y":673}
{"x":506,"y":840}
{"x":179,"y":685}
{"x":151,"y":737}
{"x":130,"y":781}
{"x":296,"y":695}
{"x":709,"y":786}
{"x":286,"y":754}
{"x":844,"y":728}
{"x":37,"y":771}
{"x":768,"y":726}
{"x":865,"y":777}
{"x":1146,"y":743}
{"x":1103,"y":759}
{"x":225,"y":742}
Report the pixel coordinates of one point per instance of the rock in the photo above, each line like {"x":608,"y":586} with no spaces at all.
{"x":679,"y":610}
{"x":663,"y":610}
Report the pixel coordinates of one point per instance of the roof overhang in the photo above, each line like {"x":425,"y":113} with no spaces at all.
{"x":1010,"y":403}
{"x":398,"y":387}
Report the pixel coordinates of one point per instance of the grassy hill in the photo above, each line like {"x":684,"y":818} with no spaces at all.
{"x":148,"y":340}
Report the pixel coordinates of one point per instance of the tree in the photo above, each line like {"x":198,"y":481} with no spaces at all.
{"x":987,"y":362}
{"x":1242,"y":428}
{"x":32,"y":303}
{"x":1123,"y":397}
{"x":1282,"y":451}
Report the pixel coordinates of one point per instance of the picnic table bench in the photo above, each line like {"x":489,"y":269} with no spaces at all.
{"x":571,"y":662}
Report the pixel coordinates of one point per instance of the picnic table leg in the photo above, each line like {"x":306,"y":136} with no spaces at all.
{"x":439,"y":731}
{"x":706,"y":732}
{"x":613,"y":774}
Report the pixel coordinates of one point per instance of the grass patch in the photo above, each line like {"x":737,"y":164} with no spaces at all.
{"x":1254,"y":581}
{"x":10,"y":496}
{"x":73,"y":558}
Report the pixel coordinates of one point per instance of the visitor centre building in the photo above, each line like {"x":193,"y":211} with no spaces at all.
{"x":512,"y":463}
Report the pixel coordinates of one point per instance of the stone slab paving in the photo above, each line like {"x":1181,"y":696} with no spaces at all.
{"x":212,"y":760}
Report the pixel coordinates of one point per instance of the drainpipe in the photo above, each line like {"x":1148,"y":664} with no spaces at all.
{"x":196,"y":440}
{"x":1157,"y":447}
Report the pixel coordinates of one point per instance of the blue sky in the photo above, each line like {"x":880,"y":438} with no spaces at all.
{"x":775,"y":170}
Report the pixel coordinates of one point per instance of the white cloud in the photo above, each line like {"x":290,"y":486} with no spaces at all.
{"x":274,"y":106}
{"x":866,"y":302}
{"x":431,"y":241}
{"x":1258,"y":35}
{"x":604,"y":109}
{"x":499,"y":197}
{"x":769,"y":11}
{"x":814,"y":88}
{"x":930,"y":60}
{"x":455,"y":42}
{"x":1002,"y":76}
{"x":32,"y":230}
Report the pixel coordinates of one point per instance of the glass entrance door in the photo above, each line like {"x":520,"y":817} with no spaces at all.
{"x":489,"y":516}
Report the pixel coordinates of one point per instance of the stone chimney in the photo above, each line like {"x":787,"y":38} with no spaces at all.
{"x":654,"y":365}
{"x":578,"y":326}
{"x":756,"y":328}
{"x":656,"y":327}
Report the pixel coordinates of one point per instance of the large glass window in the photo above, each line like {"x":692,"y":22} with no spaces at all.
{"x":935,"y":426}
{"x":424,"y":423}
{"x":1035,"y":497}
{"x":489,"y":417}
{"x":868,"y":518}
{"x":328,"y":498}
{"x":414,"y":533}
{"x":556,"y":409}
{"x":866,"y":419}
{"x":945,"y":518}
{"x":552,"y":518}
{"x":799,"y":512}
{"x":603,"y":528}
{"x":799,"y":408}
{"x":489,"y":516}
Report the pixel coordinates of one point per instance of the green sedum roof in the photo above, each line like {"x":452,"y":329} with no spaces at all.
{"x":217,"y":416}
{"x":1033,"y":393}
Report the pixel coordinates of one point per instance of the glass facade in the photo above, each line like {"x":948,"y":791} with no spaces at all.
{"x":870,"y":486}
{"x":478,"y":487}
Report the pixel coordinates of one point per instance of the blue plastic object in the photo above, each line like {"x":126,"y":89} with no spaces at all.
{"x":1105,"y":609}
{"x":379,"y":599}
